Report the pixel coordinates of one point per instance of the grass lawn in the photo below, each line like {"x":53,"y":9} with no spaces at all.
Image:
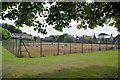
{"x":101,"y":64}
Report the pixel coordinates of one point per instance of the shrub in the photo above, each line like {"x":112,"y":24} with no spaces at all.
{"x":5,"y":34}
{"x":8,"y":33}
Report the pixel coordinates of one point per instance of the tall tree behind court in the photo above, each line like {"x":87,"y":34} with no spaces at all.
{"x":11,"y":28}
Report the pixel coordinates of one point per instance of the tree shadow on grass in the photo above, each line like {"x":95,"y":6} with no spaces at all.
{"x":88,"y":72}
{"x":93,"y":71}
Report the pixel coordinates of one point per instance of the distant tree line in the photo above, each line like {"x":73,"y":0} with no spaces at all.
{"x":86,"y":39}
{"x":11,"y":28}
{"x":62,"y":38}
{"x":7,"y":29}
{"x":68,"y":38}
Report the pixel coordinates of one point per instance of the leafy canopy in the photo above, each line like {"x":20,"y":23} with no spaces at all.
{"x":88,"y":15}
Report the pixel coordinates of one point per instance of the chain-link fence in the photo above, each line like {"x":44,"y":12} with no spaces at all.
{"x":31,"y":48}
{"x":12,"y":45}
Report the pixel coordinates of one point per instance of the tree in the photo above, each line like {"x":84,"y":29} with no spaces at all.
{"x":5,"y":34}
{"x":94,"y":37}
{"x":92,"y":14}
{"x":59,"y":38}
{"x":35,"y":38}
{"x":89,"y":39}
{"x":24,"y":33}
{"x":103,"y":34}
{"x":56,"y":37}
{"x":52,"y":36}
{"x":11,"y":28}
{"x":62,"y":13}
{"x":62,"y":37}
{"x":25,"y":13}
{"x":69,"y":39}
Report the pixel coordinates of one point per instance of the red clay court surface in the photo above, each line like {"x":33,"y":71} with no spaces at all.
{"x":51,"y":50}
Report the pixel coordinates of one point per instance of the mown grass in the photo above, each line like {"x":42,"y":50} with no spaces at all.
{"x":101,"y":64}
{"x":0,"y":59}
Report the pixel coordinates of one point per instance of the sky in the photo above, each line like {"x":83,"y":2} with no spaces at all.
{"x":71,"y":31}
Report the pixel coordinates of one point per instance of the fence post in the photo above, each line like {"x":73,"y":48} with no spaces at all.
{"x":106,"y":45}
{"x":13,"y":46}
{"x":58,"y":47}
{"x":82,"y":45}
{"x":41,"y":48}
{"x":16,"y":47}
{"x":100,"y":46}
{"x":112,"y":45}
{"x":70,"y":47}
{"x":91,"y":45}
{"x":5,"y":44}
{"x":8,"y":45}
{"x":20,"y":47}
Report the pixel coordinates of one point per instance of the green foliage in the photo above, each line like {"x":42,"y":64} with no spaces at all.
{"x":92,"y":14}
{"x":59,"y":38}
{"x":103,"y":34}
{"x":52,"y":36}
{"x":69,"y":39}
{"x":5,"y":34}
{"x":24,"y":33}
{"x":11,"y":28}
{"x":89,"y":39}
{"x":25,"y":13}
{"x":63,"y":38}
{"x":62,"y":13}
